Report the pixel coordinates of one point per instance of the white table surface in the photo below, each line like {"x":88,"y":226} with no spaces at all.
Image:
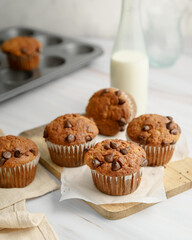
{"x":170,"y":93}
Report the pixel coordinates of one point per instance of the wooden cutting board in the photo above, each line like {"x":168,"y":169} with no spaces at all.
{"x":177,"y":179}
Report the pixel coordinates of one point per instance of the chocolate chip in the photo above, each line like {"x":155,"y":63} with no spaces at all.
{"x":118,"y":93}
{"x":107,"y":146}
{"x":174,"y":131}
{"x":179,"y":129}
{"x":121,"y":101}
{"x":70,"y":138}
{"x":122,"y":129}
{"x":24,"y":50}
{"x":170,"y":118}
{"x":45,"y":134}
{"x":38,"y":50}
{"x":85,"y":150}
{"x":169,"y":125}
{"x":2,"y":161}
{"x":109,"y":158}
{"x":17,"y":154}
{"x":114,"y":145}
{"x":144,"y":163}
{"x":146,"y":128}
{"x":33,"y":151}
{"x":142,"y":139}
{"x":106,"y":90}
{"x":116,"y":166}
{"x":96,"y":163}
{"x":67,"y":124}
{"x":88,"y":138}
{"x":173,"y":143}
{"x":124,"y":151}
{"x":6,"y":155}
{"x":122,"y":122}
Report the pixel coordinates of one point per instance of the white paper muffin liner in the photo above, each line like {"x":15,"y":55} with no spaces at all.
{"x":132,"y":106}
{"x":117,"y":186}
{"x":69,"y":156}
{"x":18,"y":176}
{"x":157,"y":155}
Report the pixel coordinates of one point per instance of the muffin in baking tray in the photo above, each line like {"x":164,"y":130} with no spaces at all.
{"x":111,"y":109}
{"x":19,"y":157}
{"x":68,"y":137}
{"x":157,"y":135}
{"x":116,"y":166}
{"x":22,"y":52}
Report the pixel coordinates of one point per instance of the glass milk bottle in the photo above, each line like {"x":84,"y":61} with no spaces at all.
{"x":129,"y":61}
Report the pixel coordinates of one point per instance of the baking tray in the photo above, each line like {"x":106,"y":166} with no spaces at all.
{"x":60,"y":56}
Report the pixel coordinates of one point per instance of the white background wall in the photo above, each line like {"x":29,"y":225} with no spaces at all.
{"x":69,"y":17}
{"x":76,"y":17}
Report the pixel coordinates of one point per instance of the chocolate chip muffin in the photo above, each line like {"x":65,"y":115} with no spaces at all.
{"x":22,"y":52}
{"x":116,"y":166}
{"x":18,"y":161}
{"x":68,"y":137}
{"x":111,"y":109}
{"x":157,"y":135}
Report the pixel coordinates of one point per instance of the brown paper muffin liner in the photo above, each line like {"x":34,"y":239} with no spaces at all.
{"x":19,"y":176}
{"x":117,"y":186}
{"x":69,"y":156}
{"x":26,"y":63}
{"x":158,"y":155}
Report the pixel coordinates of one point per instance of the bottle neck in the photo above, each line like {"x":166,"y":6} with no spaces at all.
{"x":130,"y":34}
{"x":130,"y":14}
{"x":130,"y":5}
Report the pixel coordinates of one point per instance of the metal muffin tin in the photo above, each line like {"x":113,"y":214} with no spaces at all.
{"x":60,"y":56}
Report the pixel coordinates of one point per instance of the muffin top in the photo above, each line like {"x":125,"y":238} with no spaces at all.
{"x":111,"y":109}
{"x":70,"y":129}
{"x":22,"y":46}
{"x":154,"y":130}
{"x":15,"y":151}
{"x":113,"y":157}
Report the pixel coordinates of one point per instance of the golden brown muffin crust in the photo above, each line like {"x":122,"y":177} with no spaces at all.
{"x":154,"y":130}
{"x":22,"y":46}
{"x":15,"y":151}
{"x":113,"y":157}
{"x":111,"y":109}
{"x":70,"y":129}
